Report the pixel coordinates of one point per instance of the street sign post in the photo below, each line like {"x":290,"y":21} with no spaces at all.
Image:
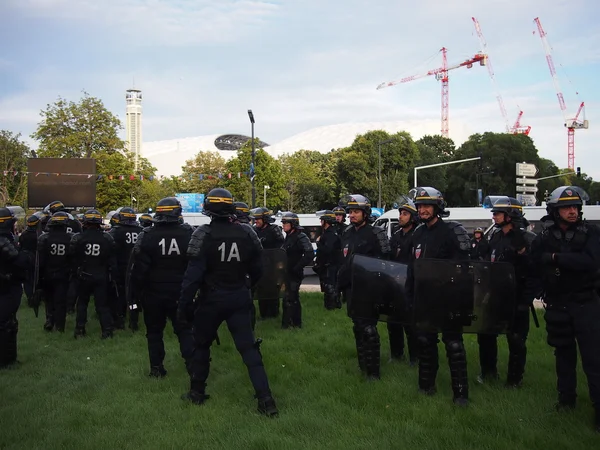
{"x":527,"y":181}
{"x":526,"y":170}
{"x":527,"y":189}
{"x":527,"y":199}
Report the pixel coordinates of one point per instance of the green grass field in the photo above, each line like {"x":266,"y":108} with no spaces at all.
{"x":88,"y":393}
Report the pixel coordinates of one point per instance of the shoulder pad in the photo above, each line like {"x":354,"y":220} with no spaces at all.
{"x":461,"y":234}
{"x":42,"y":238}
{"x":384,"y":242}
{"x":305,"y":241}
{"x":197,"y":241}
{"x":529,"y":236}
{"x":250,"y":230}
{"x":108,"y":237}
{"x":8,"y":249}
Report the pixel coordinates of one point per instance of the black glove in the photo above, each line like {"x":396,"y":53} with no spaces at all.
{"x":185,"y":312}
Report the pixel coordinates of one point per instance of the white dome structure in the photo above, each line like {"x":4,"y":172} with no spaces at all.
{"x":169,"y":156}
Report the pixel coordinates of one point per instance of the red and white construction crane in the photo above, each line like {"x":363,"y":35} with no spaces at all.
{"x":571,"y":124}
{"x":441,"y":74}
{"x":516,"y":128}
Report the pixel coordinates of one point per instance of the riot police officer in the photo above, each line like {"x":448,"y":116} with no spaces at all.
{"x":510,"y":243}
{"x":270,"y":237}
{"x":55,"y":270}
{"x":225,"y":262}
{"x":13,"y":265}
{"x":328,"y":259}
{"x":361,"y":238}
{"x":340,"y":219}
{"x":73,"y":225}
{"x":92,"y":253}
{"x":567,"y":254}
{"x":28,"y":243}
{"x":300,"y":254}
{"x":146,"y":220}
{"x":400,"y":243}
{"x":159,"y":262}
{"x":242,"y":212}
{"x":125,"y":236}
{"x":479,"y":245}
{"x":439,"y":240}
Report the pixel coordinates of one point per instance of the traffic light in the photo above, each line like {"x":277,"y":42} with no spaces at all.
{"x":579,"y":172}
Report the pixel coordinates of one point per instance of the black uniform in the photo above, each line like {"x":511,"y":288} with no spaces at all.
{"x":94,"y":264}
{"x":368,"y":241}
{"x":125,"y":237}
{"x":327,"y":262}
{"x":270,"y":237}
{"x":225,"y":261}
{"x":13,"y":265}
{"x":28,"y":243}
{"x":479,"y":249}
{"x":569,"y":280}
{"x":400,"y":244}
{"x":442,"y":240}
{"x":299,"y":255}
{"x":513,"y":247}
{"x":159,"y":262}
{"x":55,"y":274}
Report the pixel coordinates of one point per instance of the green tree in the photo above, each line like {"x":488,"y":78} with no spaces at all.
{"x":267,"y":172}
{"x":13,"y":159}
{"x":495,"y":173}
{"x":309,"y":182}
{"x":204,"y":163}
{"x":78,"y":130}
{"x":433,"y":150}
{"x":357,"y":165}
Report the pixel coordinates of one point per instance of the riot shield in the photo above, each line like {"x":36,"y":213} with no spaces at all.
{"x":274,"y":274}
{"x":467,"y":296}
{"x":377,"y":291}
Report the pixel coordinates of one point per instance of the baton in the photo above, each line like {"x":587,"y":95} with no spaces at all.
{"x":534,"y":314}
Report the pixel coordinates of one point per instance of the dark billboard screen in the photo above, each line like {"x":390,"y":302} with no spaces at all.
{"x":69,"y":180}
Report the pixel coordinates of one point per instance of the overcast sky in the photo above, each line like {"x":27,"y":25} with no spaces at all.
{"x":302,"y":63}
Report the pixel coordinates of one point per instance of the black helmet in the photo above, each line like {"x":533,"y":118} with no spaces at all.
{"x":291,"y":218}
{"x":167,"y":210}
{"x":357,"y":201}
{"x":327,"y":216}
{"x":92,"y":216}
{"x":409,"y":206}
{"x":33,"y":221}
{"x":219,"y":203}
{"x":262,"y":213}
{"x":339,"y":211}
{"x":428,"y":195}
{"x":114,"y":219}
{"x":478,"y":230}
{"x":508,"y":205}
{"x":242,"y":212}
{"x":567,"y":196}
{"x":145,"y":220}
{"x":7,"y":219}
{"x":58,"y":219}
{"x":54,"y":207}
{"x":126,"y":216}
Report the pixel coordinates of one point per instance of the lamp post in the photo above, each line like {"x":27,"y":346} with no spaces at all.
{"x":265,"y":187}
{"x":252,"y":174}
{"x":379,"y":144}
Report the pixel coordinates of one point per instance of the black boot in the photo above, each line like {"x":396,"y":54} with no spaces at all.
{"x":11,"y":344}
{"x":516,"y":361}
{"x":158,"y":371}
{"x":49,"y":324}
{"x":428,"y":364}
{"x":267,"y":407}
{"x":372,"y":346}
{"x":196,"y":394}
{"x":597,"y":419}
{"x":360,"y":350}
{"x":457,"y":359}
{"x":80,"y":331}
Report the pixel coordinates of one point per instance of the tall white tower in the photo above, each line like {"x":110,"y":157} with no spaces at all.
{"x":133,"y":124}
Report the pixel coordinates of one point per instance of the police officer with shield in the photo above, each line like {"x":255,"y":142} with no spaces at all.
{"x":224,"y":263}
{"x":92,"y":253}
{"x":13,"y":265}
{"x":270,"y":237}
{"x":361,"y":238}
{"x":440,"y":240}
{"x":125,"y":236}
{"x":28,"y":243}
{"x":159,"y":262}
{"x":567,"y":256}
{"x":512,"y":244}
{"x":73,"y":225}
{"x":400,"y":243}
{"x":328,"y":259}
{"x":299,"y":255}
{"x":55,"y":270}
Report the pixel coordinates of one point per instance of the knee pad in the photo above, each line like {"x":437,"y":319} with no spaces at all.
{"x":455,"y":347}
{"x":370,"y":331}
